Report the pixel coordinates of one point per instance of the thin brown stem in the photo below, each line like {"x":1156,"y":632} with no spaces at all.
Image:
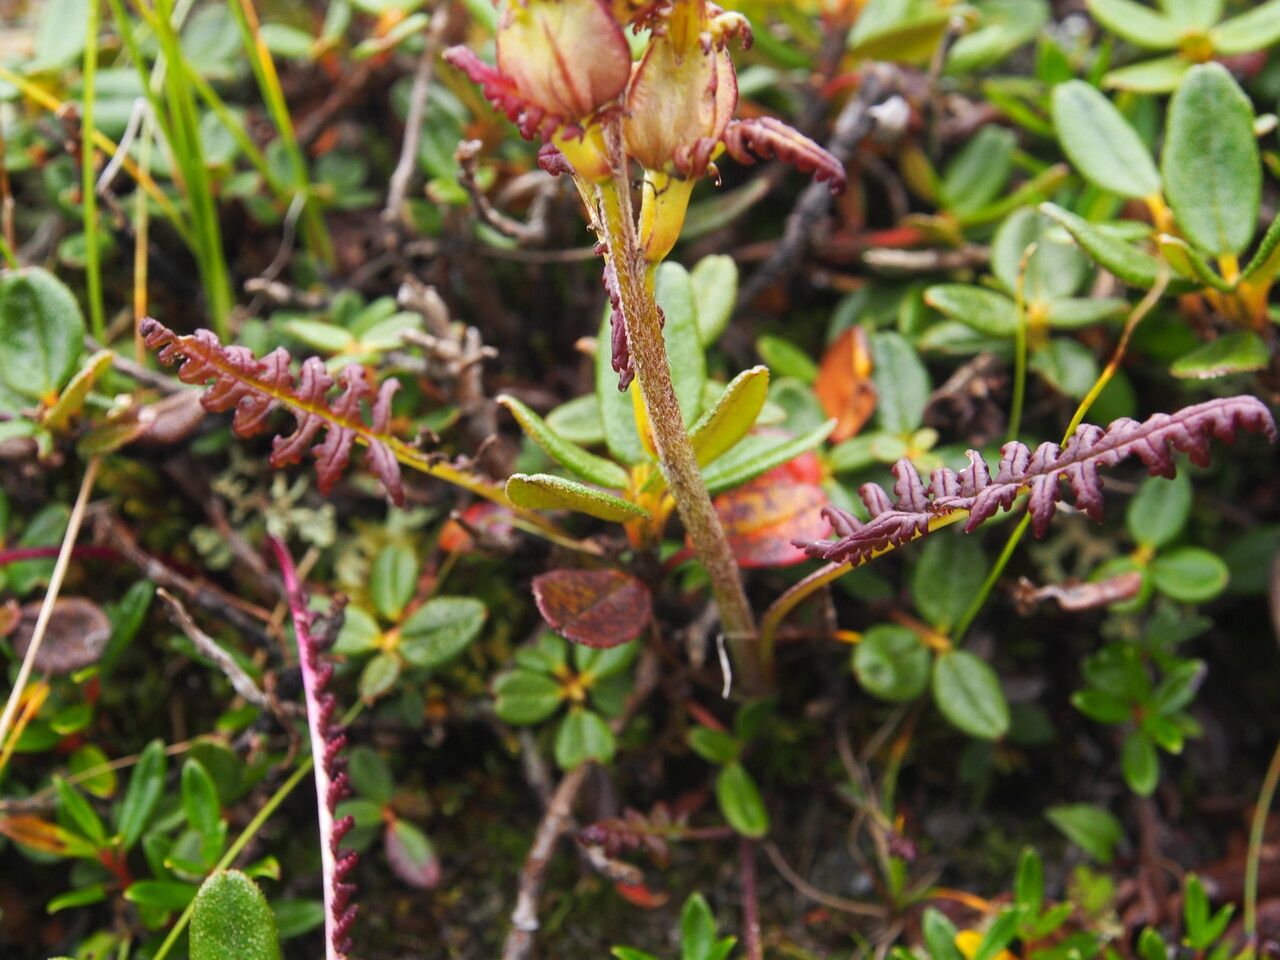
{"x":648,"y":349}
{"x":750,"y":902}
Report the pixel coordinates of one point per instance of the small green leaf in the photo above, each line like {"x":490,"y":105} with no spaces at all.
{"x":759,"y":453}
{"x":393,"y":579}
{"x":674,"y":292}
{"x":73,"y":803}
{"x":166,"y":895}
{"x":568,"y":454}
{"x":325,"y":337}
{"x":379,"y":675}
{"x":714,"y":746}
{"x":524,"y":697}
{"x":1067,"y":365}
{"x":578,"y":420}
{"x":1140,"y":764}
{"x":1266,"y":259}
{"x":740,"y":801}
{"x":146,"y":784}
{"x":1178,"y":687}
{"x":440,"y":629}
{"x":1189,"y":574}
{"x":101,"y":784}
{"x":541,"y":491}
{"x":1101,"y":706}
{"x":979,"y":172}
{"x":1133,"y":266}
{"x":1075,"y":312}
{"x":1254,"y":29}
{"x":1100,"y":143}
{"x":939,"y":935}
{"x":1005,"y":26}
{"x":697,"y":929}
{"x":1092,"y":829}
{"x":359,"y":634}
{"x":715,"y":291}
{"x":370,"y":776}
{"x":947,"y":578}
{"x":1029,"y":887}
{"x":968,"y":693}
{"x":1140,"y":25}
{"x":296,"y":917}
{"x":1212,"y":171}
{"x":983,"y":310}
{"x":1159,"y":510}
{"x":1159,"y":75}
{"x":231,"y":919}
{"x":891,"y":663}
{"x":1056,"y":268}
{"x":583,"y":736}
{"x":200,"y":799}
{"x":901,"y":380}
{"x":72,"y":398}
{"x":1241,"y":351}
{"x":81,"y":897}
{"x":733,"y":415}
{"x":786,"y":359}
{"x":41,"y":333}
{"x":1000,"y":934}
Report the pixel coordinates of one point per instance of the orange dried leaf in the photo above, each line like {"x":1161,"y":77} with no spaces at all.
{"x":597,"y":608}
{"x":844,"y":386}
{"x":32,"y":832}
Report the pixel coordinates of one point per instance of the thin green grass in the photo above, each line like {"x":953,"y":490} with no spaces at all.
{"x":88,"y":187}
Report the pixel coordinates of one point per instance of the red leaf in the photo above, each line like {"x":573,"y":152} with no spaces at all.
{"x":489,"y":519}
{"x":598,"y":608}
{"x":411,"y":855}
{"x":764,"y":516}
{"x":638,"y":895}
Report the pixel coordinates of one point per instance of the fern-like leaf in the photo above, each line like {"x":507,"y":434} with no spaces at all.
{"x":254,"y":388}
{"x":1039,"y":473}
{"x":328,"y":741}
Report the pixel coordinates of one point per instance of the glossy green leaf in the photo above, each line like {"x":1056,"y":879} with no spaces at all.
{"x":1255,"y":29}
{"x":891,"y":663}
{"x":1139,"y":763}
{"x":786,"y":359}
{"x":72,"y":803}
{"x":393,"y":579}
{"x":1159,"y":510}
{"x":200,"y":799}
{"x":715,"y":292}
{"x":733,"y":415}
{"x":1005,"y":25}
{"x":100,"y":784}
{"x":1265,"y":262}
{"x":714,"y":746}
{"x":1193,"y":14}
{"x":1100,"y":143}
{"x":73,"y":396}
{"x":568,"y":454}
{"x":983,"y":310}
{"x":968,"y":693}
{"x":232,"y":919}
{"x":740,"y":801}
{"x":524,"y":697}
{"x":897,"y":30}
{"x":41,"y":333}
{"x":1000,"y":934}
{"x":359,"y":634}
{"x":1067,"y":365}
{"x":1189,"y":574}
{"x":1139,"y":24}
{"x":370,"y":776}
{"x":939,"y":935}
{"x":1133,"y":266}
{"x":1094,"y":830}
{"x":1029,"y":884}
{"x":325,"y":337}
{"x":1211,"y":165}
{"x":902,"y":383}
{"x":541,"y":491}
{"x":1178,"y":687}
{"x":1241,"y":351}
{"x":1158,"y":75}
{"x":441,"y":629}
{"x":146,"y":784}
{"x":697,"y":929}
{"x":583,"y":736}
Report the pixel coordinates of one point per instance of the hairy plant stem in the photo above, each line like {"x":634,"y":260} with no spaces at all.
{"x":643,"y":322}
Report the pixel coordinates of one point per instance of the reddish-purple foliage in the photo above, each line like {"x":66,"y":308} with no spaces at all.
{"x":328,"y":740}
{"x":766,"y":137}
{"x":1153,"y":441}
{"x":501,"y":91}
{"x":254,"y":387}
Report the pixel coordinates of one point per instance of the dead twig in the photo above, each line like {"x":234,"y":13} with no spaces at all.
{"x":398,"y":187}
{"x":530,"y":233}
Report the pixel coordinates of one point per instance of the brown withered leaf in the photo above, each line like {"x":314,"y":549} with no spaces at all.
{"x":597,"y":608}
{"x":35,"y":833}
{"x":844,"y":386}
{"x":77,"y":634}
{"x":763,"y":517}
{"x":1075,"y":595}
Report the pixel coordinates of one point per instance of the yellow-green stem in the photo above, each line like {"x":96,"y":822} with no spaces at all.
{"x":89,"y":198}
